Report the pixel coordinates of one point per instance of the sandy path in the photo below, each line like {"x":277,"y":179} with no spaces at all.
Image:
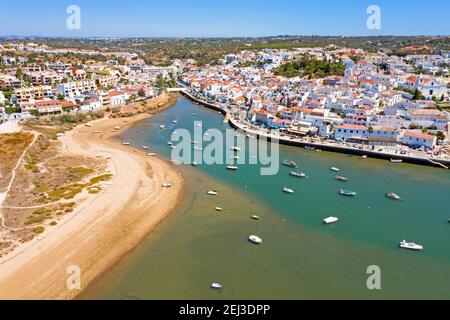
{"x":101,"y":229}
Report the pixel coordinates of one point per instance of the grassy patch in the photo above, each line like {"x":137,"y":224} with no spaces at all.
{"x":39,"y":230}
{"x":31,"y":167}
{"x":66,"y":192}
{"x":40,"y":188}
{"x":80,"y":171}
{"x":105,"y":177}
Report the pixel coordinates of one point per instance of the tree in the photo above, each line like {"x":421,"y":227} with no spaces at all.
{"x":141,"y":93}
{"x":35,"y":113}
{"x":61,"y":97}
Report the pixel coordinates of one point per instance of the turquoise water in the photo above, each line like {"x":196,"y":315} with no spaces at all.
{"x":300,"y":258}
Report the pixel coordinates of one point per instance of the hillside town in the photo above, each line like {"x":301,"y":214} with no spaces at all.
{"x":381,"y":100}
{"x":376,"y":100}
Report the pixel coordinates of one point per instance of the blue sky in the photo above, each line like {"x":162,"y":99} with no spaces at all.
{"x":205,"y":18}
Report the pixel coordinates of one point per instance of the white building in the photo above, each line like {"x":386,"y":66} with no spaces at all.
{"x":78,"y":88}
{"x":419,"y":139}
{"x":346,"y":132}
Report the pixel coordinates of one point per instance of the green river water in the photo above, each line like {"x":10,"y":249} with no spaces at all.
{"x":300,"y":258}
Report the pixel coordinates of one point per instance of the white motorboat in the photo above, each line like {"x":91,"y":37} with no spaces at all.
{"x":198,"y":148}
{"x":297,"y":174}
{"x":289,"y":163}
{"x":219,"y":209}
{"x":255,"y":240}
{"x":162,"y":127}
{"x":175,"y":121}
{"x":393,"y":196}
{"x":288,"y":190}
{"x":216,"y":286}
{"x":151,"y":154}
{"x":126,"y":143}
{"x":145,"y":147}
{"x":347,"y":193}
{"x":330,"y":220}
{"x":194,"y":163}
{"x":255,"y":217}
{"x":167,"y":185}
{"x":410,"y":246}
{"x":335,"y":169}
{"x":396,"y":161}
{"x":235,"y":149}
{"x":341,"y":179}
{"x":233,"y":168}
{"x":212,"y":193}
{"x":170,"y":143}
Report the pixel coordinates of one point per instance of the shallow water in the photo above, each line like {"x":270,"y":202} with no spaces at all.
{"x":300,"y":257}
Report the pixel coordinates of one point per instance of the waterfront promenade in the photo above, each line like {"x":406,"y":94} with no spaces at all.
{"x":384,"y":153}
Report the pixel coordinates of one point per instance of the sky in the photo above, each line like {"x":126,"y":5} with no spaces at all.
{"x":230,"y":18}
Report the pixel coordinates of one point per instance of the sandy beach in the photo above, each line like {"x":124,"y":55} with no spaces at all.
{"x":102,"y":228}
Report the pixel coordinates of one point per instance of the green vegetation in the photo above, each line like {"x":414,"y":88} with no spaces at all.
{"x":311,"y":68}
{"x":40,"y":189}
{"x":105,"y":177}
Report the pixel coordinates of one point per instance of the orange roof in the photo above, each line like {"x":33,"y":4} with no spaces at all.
{"x":352,"y":127}
{"x":420,"y":135}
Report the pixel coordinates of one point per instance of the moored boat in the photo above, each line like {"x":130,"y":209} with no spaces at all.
{"x":212,"y":193}
{"x":341,"y":179}
{"x":297,"y":174}
{"x":289,"y":163}
{"x":396,"y":161}
{"x":255,"y":217}
{"x":167,"y":185}
{"x":235,"y":149}
{"x":219,"y":209}
{"x":216,"y":286}
{"x":347,"y":193}
{"x":255,"y":240}
{"x":162,"y":127}
{"x":335,"y":169}
{"x":393,"y":196}
{"x":330,"y":220}
{"x":410,"y":246}
{"x":126,"y":143}
{"x":233,"y":168}
{"x":288,"y":190}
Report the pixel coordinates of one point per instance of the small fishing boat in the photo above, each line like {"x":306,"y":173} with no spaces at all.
{"x":235,"y":157}
{"x":233,"y":168}
{"x":219,"y":209}
{"x":126,"y":143}
{"x":175,"y":121}
{"x":145,"y":147}
{"x":335,"y":169}
{"x":194,"y":142}
{"x":194,"y":163}
{"x":212,"y":193}
{"x":393,"y":196}
{"x":255,"y":217}
{"x":410,"y":246}
{"x":364,"y":157}
{"x":347,"y":193}
{"x":396,"y":161}
{"x":217,"y":286}
{"x":167,"y":185}
{"x":162,"y":127}
{"x":297,"y":174}
{"x":151,"y":154}
{"x":289,"y":163}
{"x":288,"y":190}
{"x":330,"y":220}
{"x":170,"y":143}
{"x":235,"y":149}
{"x":255,"y":240}
{"x":198,"y":148}
{"x":341,"y":179}
{"x":310,"y":148}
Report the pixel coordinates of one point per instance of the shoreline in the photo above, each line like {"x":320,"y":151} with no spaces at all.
{"x":235,"y":124}
{"x":101,"y":230}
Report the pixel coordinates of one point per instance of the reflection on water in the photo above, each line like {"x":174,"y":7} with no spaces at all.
{"x":300,"y":257}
